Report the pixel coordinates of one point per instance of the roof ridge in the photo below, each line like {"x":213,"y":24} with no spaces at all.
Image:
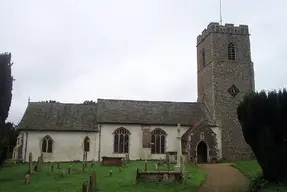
{"x":150,"y":101}
{"x":59,"y":103}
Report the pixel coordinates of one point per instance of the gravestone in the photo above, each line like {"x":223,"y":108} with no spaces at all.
{"x":145,"y":165}
{"x":42,"y":158}
{"x":70,"y":170}
{"x":85,"y":187}
{"x":30,"y":163}
{"x":92,"y":182}
{"x":155,"y":166}
{"x":172,"y":158}
{"x":27,"y":179}
{"x":38,"y":164}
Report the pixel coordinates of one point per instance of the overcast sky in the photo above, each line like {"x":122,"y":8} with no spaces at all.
{"x":72,"y":50}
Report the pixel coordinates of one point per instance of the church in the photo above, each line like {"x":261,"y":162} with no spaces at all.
{"x":209,"y":129}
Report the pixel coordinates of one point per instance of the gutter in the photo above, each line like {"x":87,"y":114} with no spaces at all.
{"x":26,"y":143}
{"x":100,"y":136}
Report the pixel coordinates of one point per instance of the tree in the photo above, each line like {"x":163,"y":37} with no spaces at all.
{"x":87,"y":102}
{"x":6,"y":83}
{"x":262,"y":116}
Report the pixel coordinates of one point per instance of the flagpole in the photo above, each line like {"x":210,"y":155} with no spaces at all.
{"x":220,"y":12}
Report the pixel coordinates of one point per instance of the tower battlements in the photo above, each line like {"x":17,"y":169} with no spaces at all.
{"x":214,"y":27}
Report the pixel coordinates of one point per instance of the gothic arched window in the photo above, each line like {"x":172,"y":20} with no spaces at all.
{"x":203,"y":57}
{"x":121,"y":140}
{"x":86,"y":144}
{"x":158,"y":141}
{"x":47,"y":144}
{"x":231,"y":51}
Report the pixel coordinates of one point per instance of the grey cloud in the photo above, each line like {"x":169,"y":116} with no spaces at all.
{"x":74,"y":50}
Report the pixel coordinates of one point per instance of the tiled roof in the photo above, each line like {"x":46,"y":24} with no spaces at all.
{"x":150,"y":112}
{"x":59,"y":116}
{"x":77,"y":117}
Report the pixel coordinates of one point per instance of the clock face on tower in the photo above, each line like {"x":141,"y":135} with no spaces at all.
{"x":233,"y":90}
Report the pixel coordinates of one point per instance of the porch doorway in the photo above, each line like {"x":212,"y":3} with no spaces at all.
{"x":201,"y":152}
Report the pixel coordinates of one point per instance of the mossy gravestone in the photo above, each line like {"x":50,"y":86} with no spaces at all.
{"x":145,"y":165}
{"x":30,"y":163}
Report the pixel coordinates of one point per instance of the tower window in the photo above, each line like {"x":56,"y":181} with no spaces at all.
{"x":203,"y":57}
{"x":231,"y":51}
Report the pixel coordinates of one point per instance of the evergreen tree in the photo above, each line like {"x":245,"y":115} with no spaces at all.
{"x":6,"y":82}
{"x":262,"y":116}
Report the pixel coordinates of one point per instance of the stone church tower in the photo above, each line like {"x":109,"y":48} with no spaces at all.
{"x":225,"y":74}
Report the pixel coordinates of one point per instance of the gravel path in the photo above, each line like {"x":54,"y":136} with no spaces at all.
{"x":223,"y":178}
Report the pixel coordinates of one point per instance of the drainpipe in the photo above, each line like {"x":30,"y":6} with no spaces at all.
{"x":100,"y":134}
{"x":26,"y":143}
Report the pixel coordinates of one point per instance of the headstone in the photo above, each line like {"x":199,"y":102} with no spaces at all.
{"x":155,"y":166}
{"x":172,"y":158}
{"x":35,"y":168}
{"x":168,"y":162}
{"x":91,"y":183}
{"x":85,"y":159}
{"x":83,"y":167}
{"x":70,"y":170}
{"x":160,"y":161}
{"x":94,"y":174}
{"x":30,"y":163}
{"x":165,"y":177}
{"x":27,"y":179}
{"x":42,"y":158}
{"x":38,"y":164}
{"x":145,"y":165}
{"x":93,"y":163}
{"x":85,"y":187}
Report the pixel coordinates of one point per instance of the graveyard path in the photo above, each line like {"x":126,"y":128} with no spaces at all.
{"x":223,"y":178}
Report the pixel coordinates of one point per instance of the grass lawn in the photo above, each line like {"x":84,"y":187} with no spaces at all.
{"x":12,"y":179}
{"x":251,"y":169}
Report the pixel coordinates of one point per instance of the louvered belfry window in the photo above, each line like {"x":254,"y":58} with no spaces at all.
{"x":231,"y":51}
